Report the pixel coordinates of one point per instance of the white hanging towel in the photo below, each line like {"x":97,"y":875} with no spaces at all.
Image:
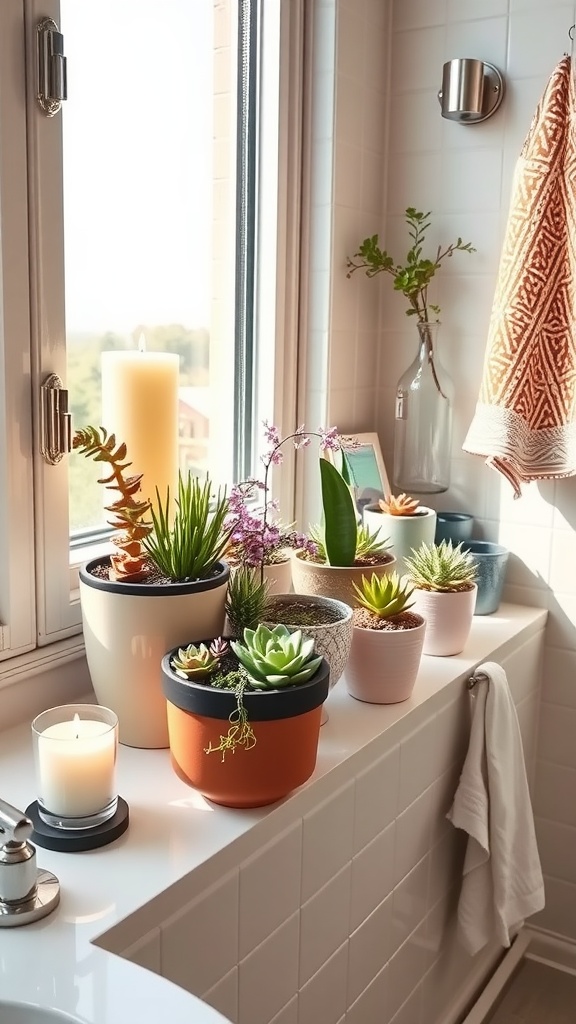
{"x":502,"y":882}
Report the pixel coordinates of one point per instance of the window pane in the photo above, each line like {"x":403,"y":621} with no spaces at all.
{"x":149,"y":200}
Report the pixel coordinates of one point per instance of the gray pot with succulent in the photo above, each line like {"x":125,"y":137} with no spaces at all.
{"x":444,"y":581}
{"x":166,"y":585}
{"x":244,"y":716}
{"x":387,"y":642}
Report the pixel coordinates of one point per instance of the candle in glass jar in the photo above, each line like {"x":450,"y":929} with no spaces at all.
{"x":140,"y":406}
{"x":76,"y":766}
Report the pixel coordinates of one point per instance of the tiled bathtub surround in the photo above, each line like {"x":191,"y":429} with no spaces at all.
{"x":392,"y":149}
{"x":349,"y":912}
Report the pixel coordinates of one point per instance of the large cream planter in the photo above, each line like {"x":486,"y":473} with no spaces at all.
{"x":334,"y":581}
{"x":405,"y":533}
{"x":448,"y":619}
{"x":128,"y":627}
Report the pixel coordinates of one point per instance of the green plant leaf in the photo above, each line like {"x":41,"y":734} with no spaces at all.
{"x":339,"y":516}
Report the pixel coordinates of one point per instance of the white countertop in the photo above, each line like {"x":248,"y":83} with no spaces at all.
{"x":54,"y":962}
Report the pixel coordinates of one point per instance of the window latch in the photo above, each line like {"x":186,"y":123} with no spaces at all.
{"x":55,"y":420}
{"x":52,"y":84}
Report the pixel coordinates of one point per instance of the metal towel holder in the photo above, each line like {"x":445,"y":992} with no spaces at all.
{"x":476,"y":677}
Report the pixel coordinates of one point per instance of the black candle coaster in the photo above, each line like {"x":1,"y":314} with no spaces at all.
{"x":73,"y":840}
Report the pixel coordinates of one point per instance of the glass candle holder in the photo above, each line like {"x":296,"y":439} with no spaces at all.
{"x":75,"y":748}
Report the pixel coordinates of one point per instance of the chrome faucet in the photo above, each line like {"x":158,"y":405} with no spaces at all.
{"x":26,"y":892}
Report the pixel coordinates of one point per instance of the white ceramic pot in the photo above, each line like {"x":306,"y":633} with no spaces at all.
{"x":383,"y":664}
{"x":279,"y":576}
{"x":403,"y":532}
{"x":334,"y":581}
{"x":128,"y":627}
{"x":448,"y":619}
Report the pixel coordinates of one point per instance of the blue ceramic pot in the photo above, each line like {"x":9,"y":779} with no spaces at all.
{"x":491,"y":560}
{"x":454,"y":526}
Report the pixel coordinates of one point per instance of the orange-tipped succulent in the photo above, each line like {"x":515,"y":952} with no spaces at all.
{"x":131,"y":564}
{"x":399,"y":505}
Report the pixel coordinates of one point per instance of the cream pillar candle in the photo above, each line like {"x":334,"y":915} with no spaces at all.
{"x":76,"y":762}
{"x":140,"y":406}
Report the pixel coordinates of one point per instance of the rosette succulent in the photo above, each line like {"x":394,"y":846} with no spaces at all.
{"x":198,"y":662}
{"x":399,"y":505}
{"x":385,"y":596}
{"x":276,"y":657}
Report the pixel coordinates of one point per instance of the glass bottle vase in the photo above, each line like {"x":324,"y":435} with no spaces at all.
{"x":423,"y":423}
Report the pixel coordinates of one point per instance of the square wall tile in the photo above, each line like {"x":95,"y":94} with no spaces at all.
{"x":146,"y":951}
{"x":559,"y":677}
{"x":322,"y":857}
{"x":407,"y":969}
{"x":288,"y":1014}
{"x":559,"y":914}
{"x":555,"y":793}
{"x":324,"y":924}
{"x":410,"y":902}
{"x":376,"y":798}
{"x":413,"y":835}
{"x":199,"y":945}
{"x":557,"y":848}
{"x":224,"y":996}
{"x":369,"y":949}
{"x":370,"y":1006}
{"x":268,"y":976}
{"x":270,"y":888}
{"x":372,"y":876}
{"x":323,"y":998}
{"x":556,"y":735}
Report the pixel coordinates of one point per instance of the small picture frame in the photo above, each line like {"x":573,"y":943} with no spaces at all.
{"x":366,"y":466}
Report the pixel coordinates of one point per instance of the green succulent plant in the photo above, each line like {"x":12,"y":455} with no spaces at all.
{"x":276,"y":657}
{"x":385,"y":596}
{"x":199,"y":662}
{"x":441,"y":567}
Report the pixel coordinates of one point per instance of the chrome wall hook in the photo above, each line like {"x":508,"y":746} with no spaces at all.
{"x":472,"y":90}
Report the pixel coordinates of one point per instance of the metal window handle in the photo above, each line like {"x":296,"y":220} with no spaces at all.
{"x":52,"y":79}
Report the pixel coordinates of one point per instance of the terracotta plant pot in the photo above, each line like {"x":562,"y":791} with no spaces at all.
{"x":405,"y":533}
{"x":384,"y":663}
{"x":448,"y":619}
{"x":286,"y":723}
{"x":128,"y":627}
{"x":332,"y":580}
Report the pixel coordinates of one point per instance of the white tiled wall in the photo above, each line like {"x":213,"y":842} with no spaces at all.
{"x":393,"y":149}
{"x":348,"y":913}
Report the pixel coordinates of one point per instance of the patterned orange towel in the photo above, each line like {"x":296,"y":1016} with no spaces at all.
{"x":524,"y":424}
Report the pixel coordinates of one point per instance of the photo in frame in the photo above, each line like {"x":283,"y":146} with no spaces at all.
{"x":366,"y":466}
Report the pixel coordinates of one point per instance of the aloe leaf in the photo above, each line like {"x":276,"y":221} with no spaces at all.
{"x":339,"y":516}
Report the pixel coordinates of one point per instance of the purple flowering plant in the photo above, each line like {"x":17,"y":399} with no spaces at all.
{"x":257,"y":538}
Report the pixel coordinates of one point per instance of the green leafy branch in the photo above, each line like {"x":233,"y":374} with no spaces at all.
{"x":413,"y":277}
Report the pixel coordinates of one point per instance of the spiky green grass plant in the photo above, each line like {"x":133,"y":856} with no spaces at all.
{"x":441,"y":567}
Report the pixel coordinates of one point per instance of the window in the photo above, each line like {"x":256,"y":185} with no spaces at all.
{"x":151,"y":209}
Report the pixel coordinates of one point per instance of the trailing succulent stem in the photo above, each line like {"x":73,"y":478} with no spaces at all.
{"x":240,"y":733}
{"x":132,"y":564}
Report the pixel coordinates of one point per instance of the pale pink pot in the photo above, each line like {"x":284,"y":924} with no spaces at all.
{"x":383,"y":664}
{"x":448,"y":619}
